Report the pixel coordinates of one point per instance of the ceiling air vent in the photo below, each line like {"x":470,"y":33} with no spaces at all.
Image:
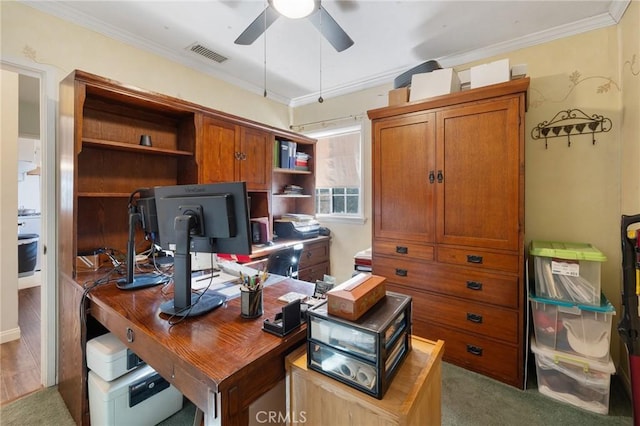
{"x":207,"y":53}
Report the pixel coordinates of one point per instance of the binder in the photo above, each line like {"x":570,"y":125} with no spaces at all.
{"x":284,"y":154}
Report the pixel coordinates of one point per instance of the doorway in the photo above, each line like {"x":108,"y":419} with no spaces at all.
{"x":36,"y":291}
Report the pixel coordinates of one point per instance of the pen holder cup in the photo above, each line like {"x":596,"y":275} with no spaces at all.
{"x":251,"y":303}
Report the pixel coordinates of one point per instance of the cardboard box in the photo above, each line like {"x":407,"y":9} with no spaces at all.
{"x":491,"y":73}
{"x":434,"y":83}
{"x":399,"y":96}
{"x":90,"y":261}
{"x":351,"y":299}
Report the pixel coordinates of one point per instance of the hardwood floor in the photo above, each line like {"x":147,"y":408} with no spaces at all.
{"x":20,"y":359}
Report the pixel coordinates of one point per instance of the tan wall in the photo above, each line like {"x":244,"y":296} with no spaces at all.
{"x":629,"y":33}
{"x":572,"y":193}
{"x":8,"y":214}
{"x":629,"y":36}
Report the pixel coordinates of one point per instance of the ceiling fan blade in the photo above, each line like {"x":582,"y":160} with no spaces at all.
{"x":258,"y":26}
{"x":330,"y":29}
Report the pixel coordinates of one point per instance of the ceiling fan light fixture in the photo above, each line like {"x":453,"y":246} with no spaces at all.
{"x":294,"y":9}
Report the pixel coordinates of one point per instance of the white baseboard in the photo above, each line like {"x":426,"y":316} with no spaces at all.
{"x":30,"y":281}
{"x":10,"y":335}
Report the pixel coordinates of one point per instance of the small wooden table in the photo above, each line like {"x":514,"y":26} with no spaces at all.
{"x":412,"y":398}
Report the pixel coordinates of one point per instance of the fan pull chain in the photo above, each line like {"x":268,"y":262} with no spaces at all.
{"x":264,"y":94}
{"x":320,"y":99}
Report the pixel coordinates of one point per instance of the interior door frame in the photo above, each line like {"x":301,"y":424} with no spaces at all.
{"x":48,"y":300}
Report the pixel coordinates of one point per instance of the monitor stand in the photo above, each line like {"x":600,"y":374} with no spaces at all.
{"x":199,"y":304}
{"x":133,"y":281}
{"x":185,"y":303}
{"x":142,"y":281}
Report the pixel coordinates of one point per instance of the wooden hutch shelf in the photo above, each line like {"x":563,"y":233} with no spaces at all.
{"x":124,"y":146}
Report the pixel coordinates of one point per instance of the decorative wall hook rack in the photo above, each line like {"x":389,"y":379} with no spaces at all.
{"x":571,"y":122}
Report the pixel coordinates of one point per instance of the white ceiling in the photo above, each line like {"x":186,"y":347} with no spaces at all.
{"x":390,"y":37}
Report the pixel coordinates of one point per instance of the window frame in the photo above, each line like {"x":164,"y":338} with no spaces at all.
{"x":358,"y":218}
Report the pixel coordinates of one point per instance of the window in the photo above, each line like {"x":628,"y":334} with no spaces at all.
{"x":339,"y":174}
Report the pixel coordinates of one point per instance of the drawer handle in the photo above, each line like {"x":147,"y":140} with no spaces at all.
{"x":401,"y":272}
{"x":474,"y":285}
{"x":130,"y":335}
{"x":402,"y":250}
{"x":432,"y":176}
{"x":474,"y":318}
{"x":474,"y":350}
{"x":472,"y":258}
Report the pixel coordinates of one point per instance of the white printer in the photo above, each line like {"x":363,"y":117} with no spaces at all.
{"x":123,"y":390}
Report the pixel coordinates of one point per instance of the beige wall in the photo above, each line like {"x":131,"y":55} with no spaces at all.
{"x":9,"y":195}
{"x":629,"y":33}
{"x":629,"y":36}
{"x":572,"y":193}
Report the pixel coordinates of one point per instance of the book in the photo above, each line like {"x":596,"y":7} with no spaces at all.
{"x":276,"y":153}
{"x":284,"y":154}
{"x":292,"y":154}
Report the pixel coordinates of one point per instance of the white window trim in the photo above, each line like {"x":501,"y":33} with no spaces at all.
{"x":359,"y":219}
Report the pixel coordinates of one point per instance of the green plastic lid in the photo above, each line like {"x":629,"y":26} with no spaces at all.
{"x":572,"y":251}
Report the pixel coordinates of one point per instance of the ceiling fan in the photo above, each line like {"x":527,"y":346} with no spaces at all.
{"x":297,"y":9}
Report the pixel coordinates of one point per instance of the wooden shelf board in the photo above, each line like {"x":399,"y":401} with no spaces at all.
{"x":291,"y":195}
{"x":104,"y":194}
{"x":122,"y":146}
{"x":292,"y":171}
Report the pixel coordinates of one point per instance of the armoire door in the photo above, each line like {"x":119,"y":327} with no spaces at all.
{"x":479,"y":173}
{"x":404,"y":178}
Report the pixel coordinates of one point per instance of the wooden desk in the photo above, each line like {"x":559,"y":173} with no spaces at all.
{"x":219,"y":361}
{"x":314,"y":259}
{"x":413,"y":398}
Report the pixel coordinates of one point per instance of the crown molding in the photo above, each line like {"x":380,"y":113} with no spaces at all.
{"x":612,"y":17}
{"x":69,"y":14}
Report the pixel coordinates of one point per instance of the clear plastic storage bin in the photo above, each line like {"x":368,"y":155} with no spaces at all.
{"x":366,"y":353}
{"x":582,"y":330}
{"x":578,"y":381}
{"x":567,"y":271}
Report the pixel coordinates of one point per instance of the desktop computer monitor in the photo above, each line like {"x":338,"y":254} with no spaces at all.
{"x":142,"y":212}
{"x":206,"y":218}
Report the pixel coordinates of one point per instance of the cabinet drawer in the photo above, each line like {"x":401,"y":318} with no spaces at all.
{"x":478,"y":258}
{"x":479,"y":286}
{"x":473,"y":317}
{"x":410,"y":273}
{"x":403,"y":249}
{"x":497,"y":360}
{"x":314,"y":253}
{"x":313,"y":273}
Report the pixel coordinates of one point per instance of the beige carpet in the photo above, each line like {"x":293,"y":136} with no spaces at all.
{"x":40,"y":408}
{"x":468,"y":399}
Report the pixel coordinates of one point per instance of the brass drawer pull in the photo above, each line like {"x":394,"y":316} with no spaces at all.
{"x":472,"y":258}
{"x":474,"y":318}
{"x":401,"y":272}
{"x":474,"y":350}
{"x":474,"y":285}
